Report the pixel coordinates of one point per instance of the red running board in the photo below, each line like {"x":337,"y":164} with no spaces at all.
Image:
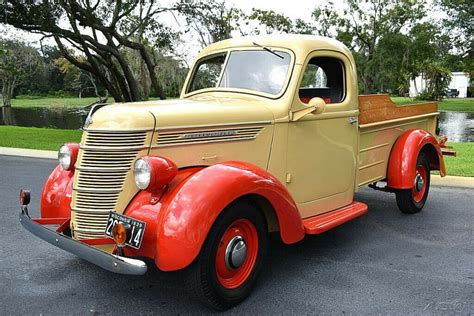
{"x":324,"y":222}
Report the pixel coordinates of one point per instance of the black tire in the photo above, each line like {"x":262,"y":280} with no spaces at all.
{"x":411,"y":201}
{"x":202,"y":276}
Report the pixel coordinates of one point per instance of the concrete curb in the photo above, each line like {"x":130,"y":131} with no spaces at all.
{"x":33,"y":153}
{"x":452,"y":181}
{"x":448,"y":181}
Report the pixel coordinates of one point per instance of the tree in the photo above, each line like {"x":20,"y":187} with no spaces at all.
{"x":78,"y":81}
{"x":18,"y":61}
{"x":100,"y":30}
{"x":437,"y":78}
{"x":212,"y":21}
{"x":361,"y":26}
{"x":276,"y":22}
{"x":460,"y":25}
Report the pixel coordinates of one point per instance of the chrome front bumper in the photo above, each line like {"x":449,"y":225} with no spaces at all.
{"x":104,"y":260}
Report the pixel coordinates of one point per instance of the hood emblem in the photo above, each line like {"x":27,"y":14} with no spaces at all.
{"x":209,"y":134}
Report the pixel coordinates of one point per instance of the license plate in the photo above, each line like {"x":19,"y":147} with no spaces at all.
{"x":137,"y":228}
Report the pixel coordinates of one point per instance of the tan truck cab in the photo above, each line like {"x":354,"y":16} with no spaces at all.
{"x":269,"y":135}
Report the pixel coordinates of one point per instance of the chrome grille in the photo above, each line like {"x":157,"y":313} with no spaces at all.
{"x":207,"y":136}
{"x":104,"y":163}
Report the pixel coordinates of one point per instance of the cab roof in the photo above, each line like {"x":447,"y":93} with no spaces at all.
{"x":300,"y":44}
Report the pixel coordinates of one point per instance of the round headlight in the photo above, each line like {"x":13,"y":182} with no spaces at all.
{"x":142,"y":173}
{"x":64,"y":157}
{"x":67,"y":155}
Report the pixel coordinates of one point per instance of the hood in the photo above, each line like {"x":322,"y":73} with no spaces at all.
{"x":181,"y":113}
{"x":122,"y":116}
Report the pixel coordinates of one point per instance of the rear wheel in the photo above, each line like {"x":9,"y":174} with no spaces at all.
{"x":230,"y":260}
{"x":412,"y":200}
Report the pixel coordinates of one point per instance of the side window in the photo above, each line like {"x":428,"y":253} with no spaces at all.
{"x":207,"y":73}
{"x":323,"y":78}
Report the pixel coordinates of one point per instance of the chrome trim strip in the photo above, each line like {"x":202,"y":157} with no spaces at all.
{"x":177,"y":128}
{"x":109,"y":262}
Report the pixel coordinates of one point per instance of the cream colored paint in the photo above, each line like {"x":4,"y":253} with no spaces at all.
{"x":321,"y":158}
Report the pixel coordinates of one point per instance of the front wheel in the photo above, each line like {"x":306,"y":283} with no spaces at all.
{"x":231,"y":258}
{"x":412,"y":200}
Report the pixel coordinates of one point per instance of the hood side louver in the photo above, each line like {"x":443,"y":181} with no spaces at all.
{"x":174,"y":138}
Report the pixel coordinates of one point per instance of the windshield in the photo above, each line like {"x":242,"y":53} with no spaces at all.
{"x":256,"y":70}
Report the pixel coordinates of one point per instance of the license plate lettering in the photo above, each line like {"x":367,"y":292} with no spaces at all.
{"x":137,"y":228}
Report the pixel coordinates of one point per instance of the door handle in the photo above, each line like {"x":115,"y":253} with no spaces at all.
{"x":353,"y":120}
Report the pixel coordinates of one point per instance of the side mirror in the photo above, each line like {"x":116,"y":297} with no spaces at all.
{"x":315,"y":106}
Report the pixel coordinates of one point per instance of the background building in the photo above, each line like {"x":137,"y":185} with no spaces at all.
{"x":459,"y":81}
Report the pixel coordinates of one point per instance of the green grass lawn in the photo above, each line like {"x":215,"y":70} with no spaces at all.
{"x":463,"y":163}
{"x":29,"y":101}
{"x":452,"y":104}
{"x":37,"y":138}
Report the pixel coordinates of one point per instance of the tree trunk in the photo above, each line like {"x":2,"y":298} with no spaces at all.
{"x":8,"y":117}
{"x":7,"y":92}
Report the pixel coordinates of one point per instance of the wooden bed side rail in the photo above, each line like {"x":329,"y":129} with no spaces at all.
{"x":379,"y":107}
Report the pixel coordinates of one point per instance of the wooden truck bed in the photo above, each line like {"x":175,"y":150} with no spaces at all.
{"x":381,"y":122}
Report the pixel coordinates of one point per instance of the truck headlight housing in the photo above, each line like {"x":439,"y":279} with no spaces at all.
{"x":67,"y":155}
{"x":153,"y":173}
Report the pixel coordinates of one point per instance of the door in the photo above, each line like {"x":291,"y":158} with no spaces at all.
{"x":322,"y":147}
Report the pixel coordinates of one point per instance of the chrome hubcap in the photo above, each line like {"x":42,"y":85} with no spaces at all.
{"x":419,"y":183}
{"x":235,"y":252}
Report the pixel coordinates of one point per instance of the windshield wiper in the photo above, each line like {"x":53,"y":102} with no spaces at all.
{"x":269,"y":50}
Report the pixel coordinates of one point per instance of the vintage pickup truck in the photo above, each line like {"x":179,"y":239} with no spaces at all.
{"x":269,"y":135}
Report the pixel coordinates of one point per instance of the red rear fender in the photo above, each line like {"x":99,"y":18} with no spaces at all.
{"x":402,"y":163}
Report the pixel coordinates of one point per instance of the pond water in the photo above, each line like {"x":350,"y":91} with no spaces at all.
{"x":59,"y":117}
{"x":458,"y":126}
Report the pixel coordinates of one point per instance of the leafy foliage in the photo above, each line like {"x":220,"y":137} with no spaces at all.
{"x":100,"y":31}
{"x":17,"y":62}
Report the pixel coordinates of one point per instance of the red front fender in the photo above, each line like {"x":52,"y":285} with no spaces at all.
{"x":187,"y":212}
{"x":56,"y":195}
{"x":402,"y":163}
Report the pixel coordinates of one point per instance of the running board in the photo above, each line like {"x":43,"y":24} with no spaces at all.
{"x":324,"y":222}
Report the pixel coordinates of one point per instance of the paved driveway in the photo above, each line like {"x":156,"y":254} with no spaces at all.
{"x":384,"y":262}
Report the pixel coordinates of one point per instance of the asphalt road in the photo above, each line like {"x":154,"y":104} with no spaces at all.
{"x":384,"y":262}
